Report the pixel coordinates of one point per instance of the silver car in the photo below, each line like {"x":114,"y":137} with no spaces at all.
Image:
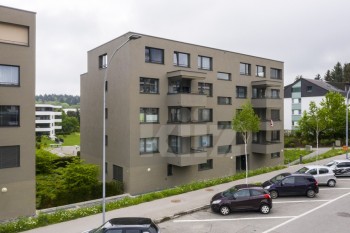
{"x":340,"y":167}
{"x":323,"y":174}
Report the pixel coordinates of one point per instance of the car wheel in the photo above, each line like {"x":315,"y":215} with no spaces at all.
{"x":310,"y":193}
{"x":224,"y":210}
{"x":265,"y":209}
{"x":274,"y":194}
{"x":331,"y":183}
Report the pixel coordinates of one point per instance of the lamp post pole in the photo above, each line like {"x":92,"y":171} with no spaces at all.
{"x":131,"y":37}
{"x":347,"y":124}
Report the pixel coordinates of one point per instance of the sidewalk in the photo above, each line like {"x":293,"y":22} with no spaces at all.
{"x":163,"y":209}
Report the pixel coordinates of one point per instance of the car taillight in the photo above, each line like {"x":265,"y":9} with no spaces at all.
{"x":267,"y":196}
{"x":316,"y":183}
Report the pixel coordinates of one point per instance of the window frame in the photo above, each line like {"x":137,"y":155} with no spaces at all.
{"x":18,"y":116}
{"x":257,"y":72}
{"x":17,"y":152}
{"x":18,"y":84}
{"x":144,"y":109}
{"x":278,"y":73}
{"x":200,"y":62}
{"x":247,"y":69}
{"x":176,"y":57}
{"x":245,"y":89}
{"x":203,"y":87}
{"x":206,"y":166}
{"x":224,"y":125}
{"x":150,"y":59}
{"x":156,"y":150}
{"x":146,"y":83}
{"x":103,"y":61}
{"x":275,"y":155}
{"x":227,"y":151}
{"x":200,"y":114}
{"x":223,"y":73}
{"x":224,"y":100}
{"x":118,"y":173}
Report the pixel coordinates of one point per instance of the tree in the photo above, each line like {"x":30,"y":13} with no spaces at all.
{"x":298,"y":77}
{"x":69,"y":124}
{"x":337,"y":73}
{"x":346,"y":73}
{"x":327,"y":76}
{"x":318,"y":77}
{"x":245,"y":122}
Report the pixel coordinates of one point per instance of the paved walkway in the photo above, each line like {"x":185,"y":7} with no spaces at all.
{"x":166,"y":208}
{"x":64,"y":150}
{"x":321,"y":150}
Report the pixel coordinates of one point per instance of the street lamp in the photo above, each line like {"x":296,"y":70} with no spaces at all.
{"x":347,"y":124}
{"x":131,"y":37}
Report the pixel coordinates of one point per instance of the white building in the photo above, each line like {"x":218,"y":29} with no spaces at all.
{"x":48,"y":118}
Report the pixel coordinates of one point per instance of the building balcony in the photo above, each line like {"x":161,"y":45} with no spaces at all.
{"x":179,"y":74}
{"x":267,"y":147}
{"x":187,"y":129}
{"x":194,"y":157}
{"x":42,"y":129}
{"x":43,"y":121}
{"x":265,"y":125}
{"x":57,"y":127}
{"x":268,"y":83}
{"x":265,"y":102}
{"x":187,"y":99}
{"x":57,"y":120}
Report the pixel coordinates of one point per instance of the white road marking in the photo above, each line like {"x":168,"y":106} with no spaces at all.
{"x":306,"y":213}
{"x":343,"y":179}
{"x":232,"y":219}
{"x":327,"y":189}
{"x":286,"y":202}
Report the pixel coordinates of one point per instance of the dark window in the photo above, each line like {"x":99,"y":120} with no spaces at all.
{"x":206,"y":166}
{"x":106,"y":86}
{"x":309,"y":88}
{"x":149,"y":115}
{"x":154,"y":55}
{"x":242,"y":193}
{"x":102,"y":61}
{"x":205,"y":88}
{"x":106,"y":140}
{"x":275,"y":93}
{"x":106,"y":113}
{"x":9,"y":156}
{"x":106,"y":167}
{"x":276,"y":73}
{"x":206,"y":141}
{"x":179,"y":86}
{"x":205,"y":63}
{"x":241,"y":92}
{"x":224,"y":124}
{"x":244,"y":69}
{"x":275,"y":155}
{"x":239,"y":138}
{"x":148,"y":145}
{"x":313,"y":171}
{"x":296,"y":89}
{"x":117,"y":173}
{"x":205,"y":115}
{"x":224,"y":100}
{"x":289,"y":180}
{"x":179,"y":115}
{"x":223,"y":76}
{"x":275,"y":135}
{"x":181,"y":59}
{"x":170,"y":170}
{"x":224,"y":149}
{"x":9,"y":115}
{"x":254,"y":192}
{"x":260,"y":71}
{"x":275,"y":114}
{"x":9,"y":75}
{"x":149,"y":85}
{"x":261,"y":113}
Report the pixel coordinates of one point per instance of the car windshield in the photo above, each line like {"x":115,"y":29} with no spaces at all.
{"x":330,"y":164}
{"x":276,"y":179}
{"x":302,"y":170}
{"x":229,"y":192}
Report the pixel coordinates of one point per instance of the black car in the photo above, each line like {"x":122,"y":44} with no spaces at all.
{"x":295,"y":184}
{"x":126,"y":225}
{"x":242,"y":197}
{"x":275,"y":179}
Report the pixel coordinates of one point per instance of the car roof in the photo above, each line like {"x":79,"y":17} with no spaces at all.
{"x":316,"y":166}
{"x":242,"y":186}
{"x":300,"y":174}
{"x":131,"y":221}
{"x":340,"y":160}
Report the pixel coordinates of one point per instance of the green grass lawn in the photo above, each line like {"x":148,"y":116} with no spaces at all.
{"x":328,"y":154}
{"x":294,"y":154}
{"x":71,"y":140}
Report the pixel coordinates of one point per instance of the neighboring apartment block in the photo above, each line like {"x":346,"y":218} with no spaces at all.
{"x":17,"y":100}
{"x":48,"y":119}
{"x":169,"y":107}
{"x":299,"y":94}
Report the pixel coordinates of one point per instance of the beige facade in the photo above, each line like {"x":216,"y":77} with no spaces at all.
{"x":17,"y":113}
{"x":164,"y":127}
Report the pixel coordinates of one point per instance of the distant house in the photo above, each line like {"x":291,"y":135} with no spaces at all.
{"x":48,"y":118}
{"x":298,"y":95}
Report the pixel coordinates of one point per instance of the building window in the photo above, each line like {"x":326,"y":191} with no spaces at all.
{"x":260,"y":71}
{"x":223,"y":76}
{"x":9,"y":156}
{"x":224,"y":100}
{"x":244,"y":69}
{"x":106,"y":167}
{"x":275,"y":155}
{"x":275,"y":114}
{"x":309,"y":89}
{"x":9,"y":75}
{"x":149,"y":85}
{"x":205,"y":115}
{"x":275,"y":73}
{"x":297,"y":101}
{"x":179,"y":115}
{"x":102,"y":61}
{"x":106,"y":113}
{"x":206,"y":166}
{"x":206,"y":141}
{"x":275,"y":135}
{"x":296,"y":112}
{"x":117,"y":173}
{"x":239,"y":138}
{"x":224,"y":124}
{"x":148,"y":145}
{"x":205,"y":88}
{"x":275,"y":94}
{"x":154,"y":55}
{"x":241,"y":92}
{"x":9,"y":115}
{"x":149,"y":115}
{"x":224,"y":149}
{"x":295,"y":123}
{"x":205,"y":63}
{"x":106,"y":86}
{"x":179,"y":86}
{"x":106,"y":140}
{"x":169,"y":170}
{"x":296,"y":89}
{"x":14,"y":34}
{"x":181,"y":59}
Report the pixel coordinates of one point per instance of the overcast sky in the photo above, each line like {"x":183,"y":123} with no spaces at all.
{"x":309,"y":36}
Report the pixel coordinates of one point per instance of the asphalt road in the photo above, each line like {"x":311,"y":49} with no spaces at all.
{"x":328,"y":212}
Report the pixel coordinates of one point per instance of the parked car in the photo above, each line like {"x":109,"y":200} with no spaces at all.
{"x":242,"y":197}
{"x":340,"y":167}
{"x":323,"y":174}
{"x":275,"y":179}
{"x":124,"y":225}
{"x":295,"y":184}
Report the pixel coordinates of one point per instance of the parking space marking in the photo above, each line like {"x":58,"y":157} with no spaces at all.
{"x":286,"y":202}
{"x":343,"y":179}
{"x":306,"y":213}
{"x":327,"y":189}
{"x":231,"y":219}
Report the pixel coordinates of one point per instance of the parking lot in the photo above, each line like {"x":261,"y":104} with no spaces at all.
{"x":329,"y":211}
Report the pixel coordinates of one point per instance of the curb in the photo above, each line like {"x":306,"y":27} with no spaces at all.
{"x":182,"y":213}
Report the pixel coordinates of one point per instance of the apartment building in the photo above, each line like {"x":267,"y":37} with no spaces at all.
{"x":169,"y":107}
{"x":17,"y":100}
{"x":48,"y":119}
{"x":299,"y":94}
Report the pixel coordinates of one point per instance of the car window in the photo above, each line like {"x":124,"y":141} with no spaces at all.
{"x":114,"y":231}
{"x":300,"y":180}
{"x":302,"y":170}
{"x":242,"y":193}
{"x":288,"y":180}
{"x":312,"y":171}
{"x":341,"y":165}
{"x":323,"y":171}
{"x":347,"y":164}
{"x":132,"y":231}
{"x":255,"y":192}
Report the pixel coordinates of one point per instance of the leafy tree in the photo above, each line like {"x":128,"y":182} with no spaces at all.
{"x":70,"y":124}
{"x":327,"y":76}
{"x":346,"y":72}
{"x":337,"y":73}
{"x":245,"y":122}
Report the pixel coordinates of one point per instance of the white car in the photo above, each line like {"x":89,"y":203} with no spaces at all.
{"x":323,"y":174}
{"x":340,"y":167}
